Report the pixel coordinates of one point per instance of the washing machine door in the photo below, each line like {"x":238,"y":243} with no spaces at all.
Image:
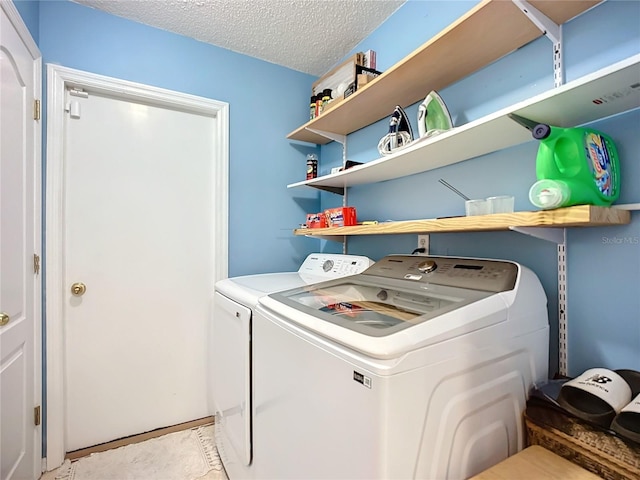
{"x":232,"y":378}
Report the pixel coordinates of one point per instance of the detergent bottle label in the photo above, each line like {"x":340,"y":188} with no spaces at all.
{"x":599,"y":161}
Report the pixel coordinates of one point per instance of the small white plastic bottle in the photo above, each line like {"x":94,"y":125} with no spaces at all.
{"x":549,"y":194}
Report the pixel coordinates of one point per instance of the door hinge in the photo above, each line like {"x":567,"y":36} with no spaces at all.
{"x":36,"y":264}
{"x":36,"y":109}
{"x":36,"y":416}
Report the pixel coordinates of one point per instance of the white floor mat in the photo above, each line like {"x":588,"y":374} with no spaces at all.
{"x":185,"y":455}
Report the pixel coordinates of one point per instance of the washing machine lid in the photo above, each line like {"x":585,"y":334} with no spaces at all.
{"x":249,"y":288}
{"x":399,"y":292}
{"x":317,"y":267}
{"x":373,"y":309}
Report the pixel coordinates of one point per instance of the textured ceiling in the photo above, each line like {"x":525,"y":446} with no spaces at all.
{"x":309,"y":36}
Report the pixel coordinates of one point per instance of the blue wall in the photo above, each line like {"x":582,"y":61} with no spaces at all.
{"x":30,"y":12}
{"x":268,"y":101}
{"x":603,"y":263}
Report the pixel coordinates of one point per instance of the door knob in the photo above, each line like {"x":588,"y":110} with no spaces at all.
{"x":78,"y":289}
{"x":4,"y":319}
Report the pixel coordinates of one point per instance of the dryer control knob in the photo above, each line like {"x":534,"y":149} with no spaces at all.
{"x":427,"y":266}
{"x":327,"y":265}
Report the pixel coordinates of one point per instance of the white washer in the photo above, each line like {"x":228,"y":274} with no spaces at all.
{"x":230,"y":359}
{"x":419,"y":367}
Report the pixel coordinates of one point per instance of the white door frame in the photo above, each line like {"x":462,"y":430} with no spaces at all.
{"x":58,"y":79}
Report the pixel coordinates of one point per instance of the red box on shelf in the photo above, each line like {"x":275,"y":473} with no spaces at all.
{"x":341,"y":216}
{"x":316,"y":220}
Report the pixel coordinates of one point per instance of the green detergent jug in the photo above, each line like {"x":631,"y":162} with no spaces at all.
{"x":574,"y":166}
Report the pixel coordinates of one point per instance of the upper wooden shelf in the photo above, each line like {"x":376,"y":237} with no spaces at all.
{"x":486,"y":33}
{"x":578,"y":216}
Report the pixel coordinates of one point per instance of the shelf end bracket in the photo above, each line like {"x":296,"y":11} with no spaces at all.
{"x":336,"y":190}
{"x":336,"y":137}
{"x":555,"y":235}
{"x":331,"y":238}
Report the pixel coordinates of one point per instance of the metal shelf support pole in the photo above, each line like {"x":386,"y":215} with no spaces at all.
{"x":559,"y":237}
{"x":563,"y":324}
{"x":341,"y":139}
{"x":552,"y":31}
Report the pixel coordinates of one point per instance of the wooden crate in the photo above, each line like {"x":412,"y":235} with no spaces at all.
{"x":594,"y":449}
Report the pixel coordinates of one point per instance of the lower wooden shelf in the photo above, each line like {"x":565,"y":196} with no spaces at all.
{"x":578,"y":216}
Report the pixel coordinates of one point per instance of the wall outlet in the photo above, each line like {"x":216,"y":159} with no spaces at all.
{"x":423,"y":242}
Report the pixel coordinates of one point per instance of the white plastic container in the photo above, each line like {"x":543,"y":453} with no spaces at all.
{"x":477,"y":207}
{"x":501,"y":204}
{"x":549,"y":194}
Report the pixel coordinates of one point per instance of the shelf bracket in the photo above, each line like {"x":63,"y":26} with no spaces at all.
{"x":559,"y":237}
{"x":336,"y":190}
{"x":341,"y":139}
{"x":552,"y":31}
{"x":332,"y":238}
{"x":555,"y":235}
{"x":336,"y":137}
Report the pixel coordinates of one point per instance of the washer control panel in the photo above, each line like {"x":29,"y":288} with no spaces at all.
{"x":476,"y":274}
{"x":333,"y":265}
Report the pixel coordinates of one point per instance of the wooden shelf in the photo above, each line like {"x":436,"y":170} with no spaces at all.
{"x":486,"y":33}
{"x":578,"y":216}
{"x":566,"y":106}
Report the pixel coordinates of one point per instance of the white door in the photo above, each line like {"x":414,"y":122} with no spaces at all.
{"x":138,"y":234}
{"x":20,"y":378}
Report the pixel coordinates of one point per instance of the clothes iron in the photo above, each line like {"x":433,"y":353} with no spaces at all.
{"x":400,"y":134}
{"x":433,"y":115}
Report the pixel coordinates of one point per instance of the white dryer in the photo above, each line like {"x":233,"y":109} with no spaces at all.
{"x":230,"y":359}
{"x":419,"y":367}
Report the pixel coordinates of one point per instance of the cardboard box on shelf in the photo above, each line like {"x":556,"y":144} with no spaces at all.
{"x":351,"y":89}
{"x":363,"y":76}
{"x":345,"y":79}
{"x":370,"y":59}
{"x":343,"y":74}
{"x":341,"y":216}
{"x":316,"y":220}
